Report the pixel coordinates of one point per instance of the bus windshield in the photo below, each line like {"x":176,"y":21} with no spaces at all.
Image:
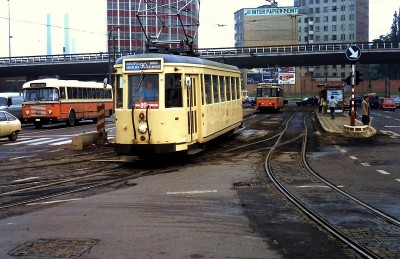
{"x":143,"y":89}
{"x":41,"y":94}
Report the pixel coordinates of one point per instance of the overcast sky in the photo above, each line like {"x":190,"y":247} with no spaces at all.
{"x":28,"y":23}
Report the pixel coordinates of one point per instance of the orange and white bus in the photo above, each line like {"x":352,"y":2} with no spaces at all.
{"x":51,"y":101}
{"x":269,"y":97}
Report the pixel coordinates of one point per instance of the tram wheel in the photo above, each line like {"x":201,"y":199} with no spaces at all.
{"x":71,"y":119}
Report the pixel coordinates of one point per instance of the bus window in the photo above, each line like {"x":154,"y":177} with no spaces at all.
{"x":208,"y":88}
{"x":173,"y":90}
{"x":62,"y":93}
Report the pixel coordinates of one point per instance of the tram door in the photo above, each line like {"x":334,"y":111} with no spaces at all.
{"x":191,"y":100}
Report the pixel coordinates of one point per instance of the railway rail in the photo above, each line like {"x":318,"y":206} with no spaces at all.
{"x":370,"y":232}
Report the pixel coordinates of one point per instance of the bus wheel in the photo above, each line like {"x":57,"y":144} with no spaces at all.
{"x":71,"y":119}
{"x":38,"y":125}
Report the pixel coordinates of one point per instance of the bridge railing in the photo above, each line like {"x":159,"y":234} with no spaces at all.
{"x":295,"y":48}
{"x":205,"y":53}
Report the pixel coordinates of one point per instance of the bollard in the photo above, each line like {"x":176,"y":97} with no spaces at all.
{"x":101,"y":124}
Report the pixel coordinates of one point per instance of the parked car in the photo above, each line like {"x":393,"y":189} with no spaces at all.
{"x":387,"y":103}
{"x":10,"y":126}
{"x":12,"y":103}
{"x":397,"y":101}
{"x":306,"y":101}
{"x":346,"y":103}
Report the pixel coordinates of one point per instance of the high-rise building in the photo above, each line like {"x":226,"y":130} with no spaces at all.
{"x":332,"y":21}
{"x":132,"y":23}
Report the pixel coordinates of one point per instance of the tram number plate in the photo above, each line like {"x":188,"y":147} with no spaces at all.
{"x":142,"y":65}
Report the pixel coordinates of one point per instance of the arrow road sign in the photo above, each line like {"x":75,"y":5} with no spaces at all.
{"x":353,"y":53}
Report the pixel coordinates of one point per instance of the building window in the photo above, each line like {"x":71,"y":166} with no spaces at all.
{"x":334,"y":37}
{"x":317,"y":28}
{"x":326,"y":38}
{"x":325,"y":28}
{"x":326,"y":19}
{"x":343,"y":37}
{"x":317,"y":38}
{"x":343,"y":17}
{"x":333,"y":27}
{"x":343,"y":8}
{"x":311,"y":1}
{"x":325,"y":9}
{"x":351,"y":17}
{"x":317,"y":19}
{"x":317,"y":10}
{"x":334,"y":18}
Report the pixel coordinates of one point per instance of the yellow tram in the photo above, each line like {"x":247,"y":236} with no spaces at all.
{"x":170,"y":103}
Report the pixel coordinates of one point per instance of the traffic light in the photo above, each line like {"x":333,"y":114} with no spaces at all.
{"x":347,"y":80}
{"x":358,"y":78}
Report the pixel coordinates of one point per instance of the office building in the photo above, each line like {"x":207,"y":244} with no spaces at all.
{"x":161,"y":20}
{"x":332,"y":21}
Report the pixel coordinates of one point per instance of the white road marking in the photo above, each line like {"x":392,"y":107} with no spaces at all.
{"x":193,"y":192}
{"x":365,"y":164}
{"x":50,"y":202}
{"x":50,"y":140}
{"x":25,"y":179}
{"x":386,"y":126}
{"x":382,"y":172}
{"x":24,"y":142}
{"x":313,"y":186}
{"x":398,"y":180}
{"x":19,"y":157}
{"x":342,"y":150}
{"x":61,"y":143}
{"x":353,"y":157}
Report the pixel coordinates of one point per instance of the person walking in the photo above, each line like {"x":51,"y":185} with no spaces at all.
{"x":365,"y":110}
{"x":320,"y":103}
{"x":332,"y":105}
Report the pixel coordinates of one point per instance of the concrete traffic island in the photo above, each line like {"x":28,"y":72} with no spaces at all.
{"x":358,"y":131}
{"x":84,"y":140}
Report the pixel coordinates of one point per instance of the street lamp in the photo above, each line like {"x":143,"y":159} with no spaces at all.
{"x":109,"y":54}
{"x":9,"y":30}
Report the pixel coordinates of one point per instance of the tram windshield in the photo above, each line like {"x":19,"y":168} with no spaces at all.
{"x":143,"y":90}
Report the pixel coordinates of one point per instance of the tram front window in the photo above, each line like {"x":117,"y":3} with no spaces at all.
{"x":143,"y":90}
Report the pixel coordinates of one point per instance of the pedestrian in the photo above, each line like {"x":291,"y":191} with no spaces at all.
{"x":320,"y":103}
{"x":365,"y":110}
{"x":332,"y":105}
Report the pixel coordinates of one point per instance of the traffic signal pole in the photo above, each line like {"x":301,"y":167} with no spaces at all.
{"x":352,"y":103}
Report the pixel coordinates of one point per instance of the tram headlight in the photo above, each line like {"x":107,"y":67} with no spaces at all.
{"x":142,"y":128}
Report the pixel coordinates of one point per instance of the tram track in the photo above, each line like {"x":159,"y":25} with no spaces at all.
{"x":368,"y":231}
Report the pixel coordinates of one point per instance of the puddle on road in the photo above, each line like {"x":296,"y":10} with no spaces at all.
{"x":246,"y":134}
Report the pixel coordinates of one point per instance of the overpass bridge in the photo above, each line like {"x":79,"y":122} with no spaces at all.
{"x":96,"y":65}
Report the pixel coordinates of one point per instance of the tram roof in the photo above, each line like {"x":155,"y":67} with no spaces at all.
{"x":170,"y":58}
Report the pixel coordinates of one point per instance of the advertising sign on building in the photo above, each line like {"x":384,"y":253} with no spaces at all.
{"x":287,"y":75}
{"x":271,"y":11}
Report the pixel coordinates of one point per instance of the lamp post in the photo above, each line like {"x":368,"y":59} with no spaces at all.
{"x":109,"y":54}
{"x":9,"y":30}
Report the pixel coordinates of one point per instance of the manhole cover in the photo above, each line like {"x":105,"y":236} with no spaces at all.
{"x":55,"y":248}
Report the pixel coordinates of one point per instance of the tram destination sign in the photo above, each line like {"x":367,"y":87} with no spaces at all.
{"x":140,"y":65}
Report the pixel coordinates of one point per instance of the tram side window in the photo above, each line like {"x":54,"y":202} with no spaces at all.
{"x":119,"y":91}
{"x":208,"y":88}
{"x":215,"y":88}
{"x":173,"y":90}
{"x":237,"y":88}
{"x":222,"y":88}
{"x":228,"y":88}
